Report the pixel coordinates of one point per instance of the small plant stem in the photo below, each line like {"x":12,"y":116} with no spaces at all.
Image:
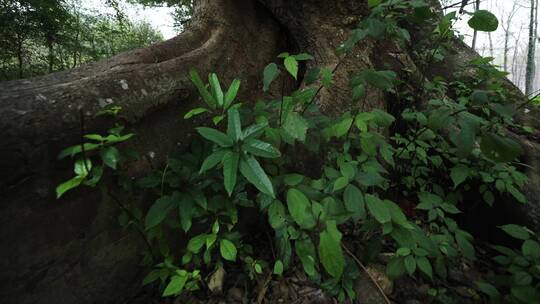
{"x":373,"y":280}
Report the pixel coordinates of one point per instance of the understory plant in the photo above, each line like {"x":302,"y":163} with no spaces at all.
{"x":395,"y":179}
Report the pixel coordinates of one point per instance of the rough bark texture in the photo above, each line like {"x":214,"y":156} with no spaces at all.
{"x":71,"y":250}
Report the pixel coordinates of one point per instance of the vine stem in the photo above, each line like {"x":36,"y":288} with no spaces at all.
{"x":373,"y":280}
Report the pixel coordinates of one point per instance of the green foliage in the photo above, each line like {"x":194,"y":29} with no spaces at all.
{"x":398,"y":178}
{"x":43,"y":36}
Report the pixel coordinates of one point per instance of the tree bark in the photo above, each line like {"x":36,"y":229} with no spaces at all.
{"x":531,"y":50}
{"x":70,"y":250}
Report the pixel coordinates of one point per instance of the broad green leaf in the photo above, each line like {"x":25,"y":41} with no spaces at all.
{"x":516,"y":194}
{"x":500,"y":149}
{"x":305,"y":250}
{"x":176,"y":285}
{"x":261,"y":148}
{"x":330,"y":251}
{"x":110,"y":156}
{"x":373,"y":3}
{"x":195,"y":112}
{"x":488,"y":289}
{"x":516,"y":231}
{"x":195,"y":244}
{"x":378,"y":209}
{"x":354,"y":202}
{"x":254,"y":173}
{"x":186,"y":208}
{"x":276,"y":214}
{"x":291,"y":65}
{"x":459,"y":174}
{"x":207,"y":97}
{"x":397,"y":214}
{"x":395,"y":268}
{"x":292,"y":179}
{"x":483,"y":20}
{"x":465,"y":245}
{"x":358,"y":92}
{"x":410,"y":264}
{"x":82,"y":168}
{"x":212,"y":160}
{"x":254,"y":131}
{"x":382,"y":118}
{"x":228,"y":250}
{"x":216,"y":89}
{"x":340,"y":183}
{"x":215,"y":136}
{"x":531,"y":249}
{"x":300,"y":208}
{"x":278,"y":267}
{"x":425,"y":266}
{"x":68,"y":185}
{"x":159,"y":211}
{"x":296,"y":126}
{"x":271,"y":71}
{"x":234,"y":126}
{"x":375,"y":28}
{"x":230,"y":169}
{"x":231,"y":93}
{"x":303,"y":57}
{"x":73,"y":150}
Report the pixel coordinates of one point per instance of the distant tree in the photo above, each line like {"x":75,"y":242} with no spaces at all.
{"x":531,"y":50}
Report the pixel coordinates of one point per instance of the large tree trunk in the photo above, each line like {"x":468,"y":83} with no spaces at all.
{"x":71,"y":250}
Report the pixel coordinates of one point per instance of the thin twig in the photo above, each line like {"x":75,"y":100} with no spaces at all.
{"x":373,"y":280}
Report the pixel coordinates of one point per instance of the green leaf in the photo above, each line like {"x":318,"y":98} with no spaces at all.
{"x":271,"y":71}
{"x":261,"y":148}
{"x":305,"y":250}
{"x":397,"y":214}
{"x":73,"y":150}
{"x":159,"y":211}
{"x":296,"y":126}
{"x":186,"y":208}
{"x":425,"y":266}
{"x":254,"y":131}
{"x":340,"y":183}
{"x":531,"y":249}
{"x":516,"y":231}
{"x":212,"y":160}
{"x":228,"y":250}
{"x":278,"y":267}
{"x":500,"y":149}
{"x":291,"y":65}
{"x":234,"y":127}
{"x":410,"y":264}
{"x":195,"y":112}
{"x":373,"y":3}
{"x":215,"y":136}
{"x":276,"y":214}
{"x":354,"y":202}
{"x":303,"y":57}
{"x":230,"y":169}
{"x":358,"y":92}
{"x":68,"y":185}
{"x":82,"y":168}
{"x":254,"y":173}
{"x":110,"y":157}
{"x":216,"y":89}
{"x":488,"y":289}
{"x":207,"y":97}
{"x":176,"y":285}
{"x":459,"y":174}
{"x":378,"y":209}
{"x":375,"y":27}
{"x":195,"y":244}
{"x":330,"y":252}
{"x":231,"y":93}
{"x":300,"y":208}
{"x":483,"y":20}
{"x":293,"y":179}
